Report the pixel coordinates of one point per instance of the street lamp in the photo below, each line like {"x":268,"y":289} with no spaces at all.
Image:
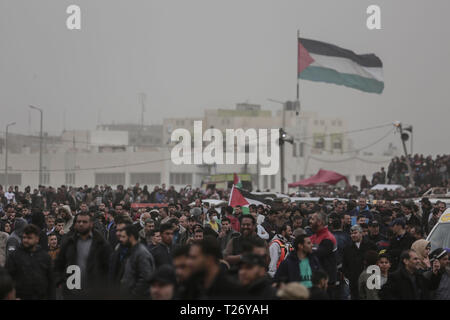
{"x":6,"y":154}
{"x":40,"y":143}
{"x":404,"y":137}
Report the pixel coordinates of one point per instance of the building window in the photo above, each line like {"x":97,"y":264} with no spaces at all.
{"x":110,"y":178}
{"x":272,"y":182}
{"x":301,"y":151}
{"x":294,"y":178}
{"x":13,"y":179}
{"x":180,"y":178}
{"x":70,"y":178}
{"x":294,"y":150}
{"x":266,"y":182}
{"x":153,"y":178}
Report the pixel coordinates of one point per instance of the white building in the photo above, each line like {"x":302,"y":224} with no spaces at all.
{"x":106,"y":156}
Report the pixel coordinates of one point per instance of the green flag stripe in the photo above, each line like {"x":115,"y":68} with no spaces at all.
{"x":321,"y":74}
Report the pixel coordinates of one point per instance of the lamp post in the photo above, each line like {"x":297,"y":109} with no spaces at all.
{"x":40,"y":143}
{"x":6,"y":154}
{"x":398,"y":125}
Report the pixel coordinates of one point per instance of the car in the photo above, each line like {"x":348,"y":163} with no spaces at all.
{"x":440,"y":234}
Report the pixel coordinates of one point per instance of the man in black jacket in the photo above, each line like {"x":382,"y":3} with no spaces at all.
{"x":208,"y":280}
{"x":401,"y":241}
{"x":299,"y":264}
{"x":90,"y":252}
{"x":353,"y":260}
{"x":253,"y":276}
{"x":162,"y":252}
{"x":139,"y":265}
{"x":31,"y":268}
{"x":408,"y":284}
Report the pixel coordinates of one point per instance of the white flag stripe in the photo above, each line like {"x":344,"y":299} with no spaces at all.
{"x":344,"y":65}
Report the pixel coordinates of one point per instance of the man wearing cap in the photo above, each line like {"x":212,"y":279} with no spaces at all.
{"x":443,"y":290}
{"x":353,"y":260}
{"x":376,"y":237}
{"x":400,"y":242}
{"x":254,"y":279}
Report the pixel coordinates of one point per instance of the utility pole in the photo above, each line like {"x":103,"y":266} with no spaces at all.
{"x":6,"y":154}
{"x":40,"y":142}
{"x":398,"y":125}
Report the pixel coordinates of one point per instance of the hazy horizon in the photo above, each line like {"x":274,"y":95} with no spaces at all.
{"x":187,"y":56}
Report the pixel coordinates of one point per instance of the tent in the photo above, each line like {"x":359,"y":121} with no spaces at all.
{"x":322,"y":177}
{"x":388,"y":187}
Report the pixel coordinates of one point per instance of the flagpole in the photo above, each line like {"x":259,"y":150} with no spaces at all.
{"x":298,"y":65}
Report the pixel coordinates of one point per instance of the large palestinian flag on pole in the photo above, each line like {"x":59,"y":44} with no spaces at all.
{"x":324,"y":62}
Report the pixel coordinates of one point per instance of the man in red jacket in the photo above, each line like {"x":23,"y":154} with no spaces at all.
{"x":325,"y":247}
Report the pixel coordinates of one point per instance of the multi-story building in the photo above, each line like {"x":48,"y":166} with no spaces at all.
{"x":127,"y":154}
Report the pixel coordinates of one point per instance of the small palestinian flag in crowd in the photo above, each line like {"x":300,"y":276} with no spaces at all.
{"x":239,"y":197}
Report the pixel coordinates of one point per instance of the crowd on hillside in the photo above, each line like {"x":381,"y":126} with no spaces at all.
{"x":95,"y":243}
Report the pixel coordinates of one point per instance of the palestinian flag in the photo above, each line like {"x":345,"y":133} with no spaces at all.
{"x":243,"y":198}
{"x":324,"y":62}
{"x":237,"y":181}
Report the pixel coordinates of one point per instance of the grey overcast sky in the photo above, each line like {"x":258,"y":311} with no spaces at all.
{"x":189,"y":55}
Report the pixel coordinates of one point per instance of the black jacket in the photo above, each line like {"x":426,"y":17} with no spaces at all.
{"x":139,"y":267}
{"x":397,"y":246}
{"x":116,"y":269}
{"x":223,"y":287}
{"x":400,"y":286}
{"x":261,"y":289}
{"x":316,"y":293}
{"x":32,"y":273}
{"x":97,"y":266}
{"x":289,"y":269}
{"x":162,"y":255}
{"x":353,"y":263}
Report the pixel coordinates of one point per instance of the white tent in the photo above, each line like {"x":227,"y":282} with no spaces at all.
{"x":388,"y":187}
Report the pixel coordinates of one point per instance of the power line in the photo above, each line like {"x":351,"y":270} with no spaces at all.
{"x":190,"y":154}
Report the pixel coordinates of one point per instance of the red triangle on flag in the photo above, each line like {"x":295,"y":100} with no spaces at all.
{"x":237,"y":199}
{"x":304,"y":58}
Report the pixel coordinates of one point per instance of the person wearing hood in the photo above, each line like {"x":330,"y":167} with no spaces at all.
{"x":15,"y":239}
{"x":66,"y":214}
{"x":31,"y":268}
{"x":422,"y":248}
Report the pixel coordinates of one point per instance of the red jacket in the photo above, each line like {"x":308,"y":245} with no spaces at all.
{"x":323,"y":234}
{"x":235,"y":225}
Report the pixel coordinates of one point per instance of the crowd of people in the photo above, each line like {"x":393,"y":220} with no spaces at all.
{"x":426,"y":172}
{"x":117,"y":243}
